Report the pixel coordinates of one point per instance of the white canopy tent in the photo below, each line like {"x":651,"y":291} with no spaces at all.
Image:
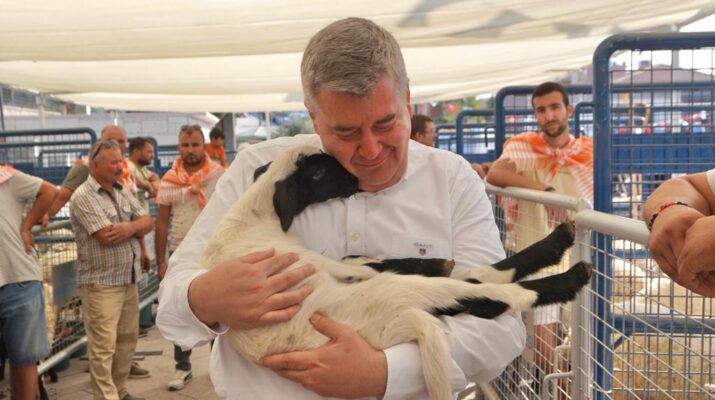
{"x":184,"y":55}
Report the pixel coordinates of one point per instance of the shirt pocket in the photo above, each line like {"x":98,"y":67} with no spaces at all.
{"x":419,"y":247}
{"x":126,"y":211}
{"x":111,"y":212}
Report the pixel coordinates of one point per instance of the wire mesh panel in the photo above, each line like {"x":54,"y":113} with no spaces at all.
{"x":633,"y":334}
{"x":474,"y":133}
{"x":648,"y":338}
{"x":522,"y":222}
{"x":654,"y":109}
{"x":446,"y":137}
{"x":48,"y":154}
{"x":513,"y":112}
{"x":57,"y":255}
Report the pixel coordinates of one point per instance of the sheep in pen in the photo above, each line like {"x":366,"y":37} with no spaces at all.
{"x":386,"y":308}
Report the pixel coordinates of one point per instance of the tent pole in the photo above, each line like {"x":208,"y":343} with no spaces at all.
{"x":41,"y":109}
{"x":268,"y":125}
{"x":2,"y":111}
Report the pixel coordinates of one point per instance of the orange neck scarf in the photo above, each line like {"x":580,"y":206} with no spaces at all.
{"x":177,"y":184}
{"x":6,"y":172}
{"x":530,"y":148}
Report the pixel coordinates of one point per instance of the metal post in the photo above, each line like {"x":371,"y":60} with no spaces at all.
{"x":580,"y":321}
{"x":41,"y":109}
{"x":2,"y":111}
{"x":268,"y":125}
{"x":578,"y":110}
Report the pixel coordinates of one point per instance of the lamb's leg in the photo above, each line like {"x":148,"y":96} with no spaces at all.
{"x":405,"y":266}
{"x":346,"y":272}
{"x":417,"y":325}
{"x":544,"y":253}
{"x":489,"y":300}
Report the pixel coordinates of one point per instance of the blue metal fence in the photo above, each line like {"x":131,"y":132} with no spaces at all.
{"x":46,"y":153}
{"x":645,"y":131}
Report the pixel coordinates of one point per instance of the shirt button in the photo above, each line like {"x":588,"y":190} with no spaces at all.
{"x":355,"y":237}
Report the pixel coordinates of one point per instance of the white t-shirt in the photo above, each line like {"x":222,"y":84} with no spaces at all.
{"x":15,"y":264}
{"x":440,"y":205}
{"x":184,"y":214}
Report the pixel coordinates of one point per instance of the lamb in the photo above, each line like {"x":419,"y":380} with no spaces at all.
{"x":385,"y":308}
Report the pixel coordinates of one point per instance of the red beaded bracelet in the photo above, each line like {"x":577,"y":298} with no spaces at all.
{"x":663,"y":207}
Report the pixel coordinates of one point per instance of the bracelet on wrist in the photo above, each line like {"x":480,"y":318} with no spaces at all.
{"x":663,"y":207}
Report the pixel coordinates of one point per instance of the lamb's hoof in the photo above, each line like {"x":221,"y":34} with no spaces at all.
{"x":564,"y":234}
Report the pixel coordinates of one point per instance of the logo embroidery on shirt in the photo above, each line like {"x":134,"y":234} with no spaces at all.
{"x":422,"y":248}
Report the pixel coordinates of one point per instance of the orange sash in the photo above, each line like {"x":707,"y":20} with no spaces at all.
{"x":6,"y":172}
{"x":177,"y":184}
{"x":530,"y":150}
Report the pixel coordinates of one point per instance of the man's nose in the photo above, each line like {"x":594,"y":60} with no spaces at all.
{"x":370,"y":146}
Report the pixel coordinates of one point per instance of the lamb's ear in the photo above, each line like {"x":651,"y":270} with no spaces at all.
{"x":286,"y":202}
{"x":260,"y":170}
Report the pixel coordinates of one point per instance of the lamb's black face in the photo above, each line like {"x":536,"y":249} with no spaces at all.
{"x":317,"y":178}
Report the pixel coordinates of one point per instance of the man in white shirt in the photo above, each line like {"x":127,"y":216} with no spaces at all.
{"x":357,"y":94}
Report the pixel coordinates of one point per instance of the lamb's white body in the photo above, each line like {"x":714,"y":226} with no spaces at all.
{"x":385,"y":308}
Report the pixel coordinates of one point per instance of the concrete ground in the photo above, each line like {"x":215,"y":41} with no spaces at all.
{"x":73,"y":383}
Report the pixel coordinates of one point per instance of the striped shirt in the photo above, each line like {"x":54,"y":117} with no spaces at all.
{"x":93,"y":208}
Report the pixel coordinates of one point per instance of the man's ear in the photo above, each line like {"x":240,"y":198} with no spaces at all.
{"x":569,"y":110}
{"x":407,"y":99}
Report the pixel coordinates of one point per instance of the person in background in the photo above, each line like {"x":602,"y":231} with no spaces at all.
{"x":216,"y":149}
{"x":108,"y":224}
{"x":141,"y":155}
{"x":76,"y":176}
{"x":183,"y":193}
{"x":423,"y":130}
{"x":23,"y":328}
{"x":358,"y":97}
{"x":680,"y":215}
{"x":551,"y":160}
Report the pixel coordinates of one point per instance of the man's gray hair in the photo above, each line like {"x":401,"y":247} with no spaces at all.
{"x":350,"y":56}
{"x":103,"y":144}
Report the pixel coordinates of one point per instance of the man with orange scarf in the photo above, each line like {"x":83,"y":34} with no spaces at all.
{"x":550,"y":160}
{"x":183,"y":193}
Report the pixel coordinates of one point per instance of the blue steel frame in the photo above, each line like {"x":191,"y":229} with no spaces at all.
{"x":602,"y":90}
{"x":460,"y":126}
{"x":578,"y":110}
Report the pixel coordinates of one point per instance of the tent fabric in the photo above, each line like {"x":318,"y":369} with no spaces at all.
{"x":183,"y":55}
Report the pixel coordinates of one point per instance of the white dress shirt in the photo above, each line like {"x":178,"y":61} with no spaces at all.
{"x":438,"y":210}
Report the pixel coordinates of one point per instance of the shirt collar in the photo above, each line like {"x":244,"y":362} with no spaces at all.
{"x":96,"y":187}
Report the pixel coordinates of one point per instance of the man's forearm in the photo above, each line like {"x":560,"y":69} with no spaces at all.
{"x":678,"y":189}
{"x":63,"y":196}
{"x":160,"y":239}
{"x":143,"y":225}
{"x":42,"y":204}
{"x":504,"y":178}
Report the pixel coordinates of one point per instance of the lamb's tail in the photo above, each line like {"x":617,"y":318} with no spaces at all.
{"x":418,"y":325}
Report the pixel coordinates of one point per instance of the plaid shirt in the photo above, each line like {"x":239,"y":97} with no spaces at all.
{"x":93,"y":208}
